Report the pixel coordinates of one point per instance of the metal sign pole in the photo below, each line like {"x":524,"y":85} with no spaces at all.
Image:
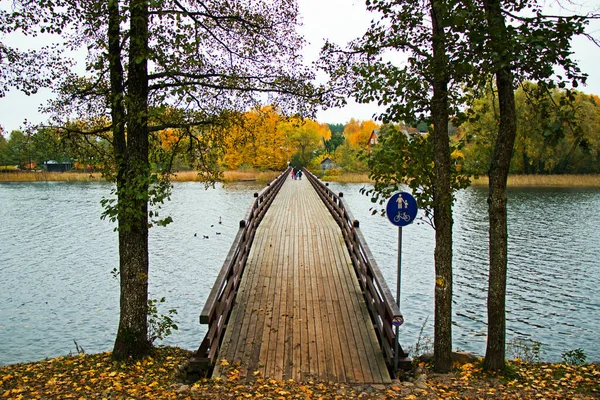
{"x":398,"y":281}
{"x":399,"y":278}
{"x":401,"y":210}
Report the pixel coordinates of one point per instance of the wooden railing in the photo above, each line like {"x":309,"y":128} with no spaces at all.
{"x":382,"y":308}
{"x":217,"y":308}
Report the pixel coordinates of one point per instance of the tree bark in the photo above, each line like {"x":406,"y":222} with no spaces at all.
{"x":132,"y":190}
{"x":497,"y":200}
{"x":442,"y":348}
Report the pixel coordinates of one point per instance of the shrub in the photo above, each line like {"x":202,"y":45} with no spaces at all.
{"x":159,"y":325}
{"x":524,"y":349}
{"x":574,"y":357}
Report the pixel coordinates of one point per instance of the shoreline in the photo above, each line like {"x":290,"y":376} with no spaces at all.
{"x":562,"y":181}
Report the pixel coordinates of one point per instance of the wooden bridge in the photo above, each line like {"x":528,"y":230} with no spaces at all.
{"x":300,"y":295}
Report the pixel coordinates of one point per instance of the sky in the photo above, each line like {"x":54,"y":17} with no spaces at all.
{"x":337,"y":20}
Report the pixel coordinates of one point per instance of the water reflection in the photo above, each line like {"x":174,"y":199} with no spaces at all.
{"x":56,"y":256}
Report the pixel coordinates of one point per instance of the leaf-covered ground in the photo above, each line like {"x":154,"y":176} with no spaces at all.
{"x":98,"y":377}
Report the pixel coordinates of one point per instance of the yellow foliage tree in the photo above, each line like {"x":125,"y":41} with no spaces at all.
{"x":357,"y":132}
{"x":256,"y":141}
{"x":304,"y":137}
{"x":265,"y":139}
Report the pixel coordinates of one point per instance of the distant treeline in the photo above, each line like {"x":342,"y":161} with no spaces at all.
{"x":556,"y":135}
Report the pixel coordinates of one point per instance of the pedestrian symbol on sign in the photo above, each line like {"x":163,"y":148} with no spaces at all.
{"x":401,"y":202}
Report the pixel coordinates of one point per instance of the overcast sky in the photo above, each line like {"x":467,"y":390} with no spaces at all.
{"x":338,"y":20}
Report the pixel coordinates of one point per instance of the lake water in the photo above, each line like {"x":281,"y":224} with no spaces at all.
{"x":56,"y":257}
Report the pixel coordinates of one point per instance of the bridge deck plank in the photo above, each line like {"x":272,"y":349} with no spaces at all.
{"x":300,"y":313}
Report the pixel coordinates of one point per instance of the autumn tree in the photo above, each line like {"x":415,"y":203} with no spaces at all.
{"x":211,"y":60}
{"x":336,"y":140}
{"x":331,"y":144}
{"x":336,"y":128}
{"x":256,"y":141}
{"x":19,"y":149}
{"x":347,"y":148}
{"x":404,"y":158}
{"x":424,"y":88}
{"x":466,"y":44}
{"x":502,"y":42}
{"x":538,"y":148}
{"x":305,"y":137}
{"x":4,"y":158}
{"x":357,"y":132}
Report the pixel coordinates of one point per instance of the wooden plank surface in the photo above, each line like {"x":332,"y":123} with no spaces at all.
{"x":299,"y":313}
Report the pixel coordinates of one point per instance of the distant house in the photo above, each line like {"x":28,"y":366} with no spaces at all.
{"x":55,"y":166}
{"x":327,"y":163}
{"x":408,"y":131}
{"x":374,"y":138}
{"x":422,"y":128}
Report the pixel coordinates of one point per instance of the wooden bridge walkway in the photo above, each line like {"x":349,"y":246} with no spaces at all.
{"x":300,"y":312}
{"x":299,"y":295}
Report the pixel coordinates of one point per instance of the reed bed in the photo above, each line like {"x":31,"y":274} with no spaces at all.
{"x":267,"y":176}
{"x":545,"y":181}
{"x":183,"y":176}
{"x":348,"y":178}
{"x":27,"y":176}
{"x":513,"y":180}
{"x":259,"y":176}
{"x":229,"y":176}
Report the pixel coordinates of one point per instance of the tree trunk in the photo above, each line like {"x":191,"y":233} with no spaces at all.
{"x":498,"y":175}
{"x":132,"y":184}
{"x":442,"y":348}
{"x":526,"y":167}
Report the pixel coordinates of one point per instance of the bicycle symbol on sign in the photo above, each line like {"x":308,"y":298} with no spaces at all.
{"x":402,"y":216}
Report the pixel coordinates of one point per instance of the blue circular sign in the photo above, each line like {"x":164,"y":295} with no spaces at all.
{"x":401,"y":209}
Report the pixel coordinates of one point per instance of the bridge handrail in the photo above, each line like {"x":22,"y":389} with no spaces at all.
{"x":380,"y":302}
{"x":219,"y":304}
